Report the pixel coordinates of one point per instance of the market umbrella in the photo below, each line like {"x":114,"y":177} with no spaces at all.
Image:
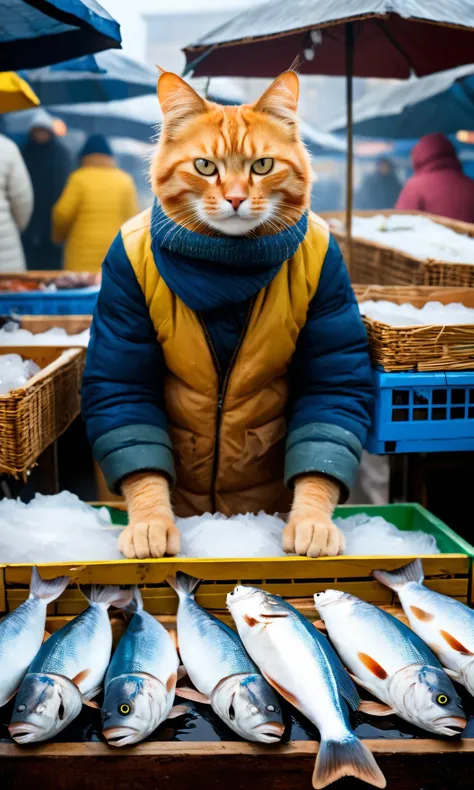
{"x":364,"y":38}
{"x":106,"y":76}
{"x":15,"y":93}
{"x":37,"y":33}
{"x":442,"y":102}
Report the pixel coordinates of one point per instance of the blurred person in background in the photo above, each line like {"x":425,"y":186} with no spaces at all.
{"x":16,"y":205}
{"x":97,"y":199}
{"x":379,"y":190}
{"x":438,"y":185}
{"x":49,"y":164}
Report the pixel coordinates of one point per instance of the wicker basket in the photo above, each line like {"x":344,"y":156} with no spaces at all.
{"x":374,"y":263}
{"x":33,"y":416}
{"x":422,"y":348}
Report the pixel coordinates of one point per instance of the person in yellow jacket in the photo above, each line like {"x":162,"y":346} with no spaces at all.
{"x":97,"y":199}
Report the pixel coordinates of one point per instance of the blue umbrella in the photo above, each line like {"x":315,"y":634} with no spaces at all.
{"x":92,"y":78}
{"x":35,"y":33}
{"x":442,"y":102}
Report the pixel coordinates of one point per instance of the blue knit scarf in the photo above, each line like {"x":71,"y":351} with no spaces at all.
{"x":208,"y":272}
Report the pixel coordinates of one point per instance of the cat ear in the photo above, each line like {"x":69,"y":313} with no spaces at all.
{"x":281,"y":98}
{"x":177,"y":99}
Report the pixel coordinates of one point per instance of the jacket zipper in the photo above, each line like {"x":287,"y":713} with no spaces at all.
{"x":223,"y":383}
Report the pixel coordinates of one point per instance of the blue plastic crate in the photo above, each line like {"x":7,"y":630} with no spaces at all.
{"x":76,"y":301}
{"x":422,"y":412}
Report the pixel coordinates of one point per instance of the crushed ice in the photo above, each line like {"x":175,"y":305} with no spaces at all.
{"x":431,"y":314}
{"x":12,"y":335}
{"x":417,"y":236}
{"x":15,"y":372}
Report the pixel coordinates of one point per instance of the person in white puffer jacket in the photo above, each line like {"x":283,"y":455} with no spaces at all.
{"x":16,"y":205}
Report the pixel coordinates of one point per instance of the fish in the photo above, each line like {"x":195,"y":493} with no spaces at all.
{"x":388,"y":659}
{"x":68,"y":670}
{"x":141,"y":680}
{"x":446,"y":625}
{"x":22,"y":632}
{"x":222,"y":672}
{"x":302,"y":666}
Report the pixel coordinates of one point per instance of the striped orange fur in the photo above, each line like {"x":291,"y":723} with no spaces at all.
{"x":234,"y":199}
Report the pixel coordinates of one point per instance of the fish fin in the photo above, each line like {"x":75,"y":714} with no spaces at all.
{"x":373,"y":666}
{"x":77,"y":679}
{"x":282,"y":691}
{"x":346,"y":758}
{"x":109,"y":595}
{"x":192,"y":694}
{"x":178,"y":710}
{"x":47,"y":589}
{"x":320,"y":625}
{"x":375,"y":708}
{"x":182,"y":672}
{"x":457,"y":646}
{"x":452,"y":674}
{"x":136,"y":604}
{"x":46,"y":636}
{"x":183,"y":584}
{"x":171,"y":682}
{"x":251,"y":621}
{"x":91,"y":694}
{"x":90,"y":703}
{"x":421,"y":614}
{"x":360,"y":683}
{"x":395,"y":580}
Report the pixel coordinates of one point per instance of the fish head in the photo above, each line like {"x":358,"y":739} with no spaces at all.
{"x":250,"y":707}
{"x":45,"y":705}
{"x":134,"y":706}
{"x":425,"y":696}
{"x":329,"y":597}
{"x":250,"y":606}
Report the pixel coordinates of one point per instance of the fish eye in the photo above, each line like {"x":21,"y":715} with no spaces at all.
{"x":124,"y":709}
{"x":21,"y":708}
{"x":262,"y":166}
{"x":205,"y":167}
{"x":442,"y":699}
{"x":253,"y":710}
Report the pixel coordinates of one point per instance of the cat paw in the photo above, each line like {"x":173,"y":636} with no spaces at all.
{"x":152,"y":538}
{"x":312,"y":537}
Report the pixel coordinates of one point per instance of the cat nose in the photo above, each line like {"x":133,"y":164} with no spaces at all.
{"x":235,"y":202}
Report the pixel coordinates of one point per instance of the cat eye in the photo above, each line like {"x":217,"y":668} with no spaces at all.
{"x":205,"y":167}
{"x":262,"y":166}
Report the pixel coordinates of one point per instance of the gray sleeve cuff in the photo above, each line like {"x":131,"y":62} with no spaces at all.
{"x":133,"y":448}
{"x":325,"y":449}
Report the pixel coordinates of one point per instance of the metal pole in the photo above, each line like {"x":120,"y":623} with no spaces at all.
{"x":349,"y":77}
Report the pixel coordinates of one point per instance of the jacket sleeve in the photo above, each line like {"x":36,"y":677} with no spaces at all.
{"x":330,"y":382}
{"x":19,"y":190}
{"x":409,"y":198}
{"x":65,"y":209}
{"x":122,"y":393}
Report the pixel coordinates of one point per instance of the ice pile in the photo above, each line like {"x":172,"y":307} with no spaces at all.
{"x":373,"y":535}
{"x":238,"y":536}
{"x":59,"y":528}
{"x":15,"y":372}
{"x":417,"y":236}
{"x":260,"y":536}
{"x":12,"y":335}
{"x":431,"y":314}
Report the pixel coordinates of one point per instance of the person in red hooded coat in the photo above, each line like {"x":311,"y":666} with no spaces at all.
{"x":438,"y":185}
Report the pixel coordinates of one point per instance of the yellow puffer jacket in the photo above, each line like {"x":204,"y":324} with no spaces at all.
{"x":97,"y":199}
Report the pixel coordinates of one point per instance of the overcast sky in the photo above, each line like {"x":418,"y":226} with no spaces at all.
{"x":128,"y":14}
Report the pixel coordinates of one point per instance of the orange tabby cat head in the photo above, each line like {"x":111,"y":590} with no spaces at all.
{"x":231,"y":170}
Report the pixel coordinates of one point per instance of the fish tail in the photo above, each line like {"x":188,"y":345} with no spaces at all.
{"x":109,"y":595}
{"x":47,"y":589}
{"x":395,"y":580}
{"x":136,"y":604}
{"x":348,"y":757}
{"x":183,"y":584}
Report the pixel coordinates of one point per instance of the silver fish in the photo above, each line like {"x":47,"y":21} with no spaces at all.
{"x":221,"y":670}
{"x":22,"y":632}
{"x":303,"y":667}
{"x":68,"y":670}
{"x":446,"y":625}
{"x":393,"y":663}
{"x":141,"y":680}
